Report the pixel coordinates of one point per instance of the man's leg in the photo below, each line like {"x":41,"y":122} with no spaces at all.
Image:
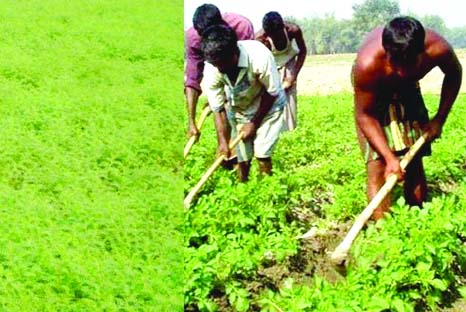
{"x":375,"y":181}
{"x":244,"y":152}
{"x":231,"y":162}
{"x":265,"y":166}
{"x":415,"y":187}
{"x":267,"y":136}
{"x":243,"y":170}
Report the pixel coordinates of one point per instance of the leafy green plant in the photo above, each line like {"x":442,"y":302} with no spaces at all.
{"x":89,"y":222}
{"x":413,"y":260}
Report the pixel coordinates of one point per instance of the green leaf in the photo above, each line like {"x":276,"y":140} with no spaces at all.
{"x":422,"y":267}
{"x":414,"y":295}
{"x":462,"y":291}
{"x":438,"y":284}
{"x":242,"y":304}
{"x":207,"y":305}
{"x":401,"y":201}
{"x":399,"y":305}
{"x":378,"y":304}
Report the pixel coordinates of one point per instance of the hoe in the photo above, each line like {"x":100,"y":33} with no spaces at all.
{"x":338,"y":257}
{"x":208,"y":173}
{"x":205,"y":112}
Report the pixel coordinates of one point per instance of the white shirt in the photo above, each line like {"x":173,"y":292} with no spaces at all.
{"x":258,"y":74}
{"x":282,"y":57}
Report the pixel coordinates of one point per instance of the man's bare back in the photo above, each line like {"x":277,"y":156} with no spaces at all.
{"x":372,"y":67}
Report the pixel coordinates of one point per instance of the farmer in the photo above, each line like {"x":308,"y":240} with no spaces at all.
{"x":241,"y":77}
{"x":286,"y":42}
{"x":388,"y":66}
{"x":205,"y":16}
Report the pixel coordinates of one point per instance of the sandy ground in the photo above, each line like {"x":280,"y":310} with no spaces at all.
{"x":328,"y":74}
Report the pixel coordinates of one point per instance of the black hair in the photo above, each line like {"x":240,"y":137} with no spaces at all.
{"x":219,"y":42}
{"x":403,"y":37}
{"x":272,"y":22}
{"x":205,"y":16}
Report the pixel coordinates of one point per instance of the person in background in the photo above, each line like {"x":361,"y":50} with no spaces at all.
{"x":385,"y":76}
{"x":286,"y":42}
{"x":241,"y":77}
{"x":205,"y":15}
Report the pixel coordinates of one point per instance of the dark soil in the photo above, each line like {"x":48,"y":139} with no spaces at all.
{"x":312,"y":259}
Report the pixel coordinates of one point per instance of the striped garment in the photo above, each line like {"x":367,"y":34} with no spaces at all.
{"x":401,"y":115}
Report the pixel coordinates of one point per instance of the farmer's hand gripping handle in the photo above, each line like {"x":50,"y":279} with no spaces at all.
{"x":208,"y":173}
{"x":338,"y":257}
{"x":194,"y":138}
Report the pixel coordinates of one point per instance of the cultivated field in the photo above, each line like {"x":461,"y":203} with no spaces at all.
{"x":89,"y":159}
{"x":328,"y":74}
{"x":242,"y":246}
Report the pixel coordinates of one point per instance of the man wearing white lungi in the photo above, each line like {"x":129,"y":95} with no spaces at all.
{"x":286,"y":41}
{"x":243,"y":75}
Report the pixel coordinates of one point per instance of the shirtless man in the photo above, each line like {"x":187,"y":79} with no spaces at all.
{"x":286,"y":42}
{"x":389,"y":64}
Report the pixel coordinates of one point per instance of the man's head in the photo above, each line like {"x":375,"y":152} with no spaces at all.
{"x":205,"y":16}
{"x":403,"y":40}
{"x":272,"y":23}
{"x":219,"y":46}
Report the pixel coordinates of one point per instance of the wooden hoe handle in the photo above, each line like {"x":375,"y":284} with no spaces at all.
{"x":208,"y":173}
{"x":338,"y":257}
{"x":205,"y":112}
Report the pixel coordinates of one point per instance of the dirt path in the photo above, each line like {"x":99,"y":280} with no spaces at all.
{"x":328,"y":74}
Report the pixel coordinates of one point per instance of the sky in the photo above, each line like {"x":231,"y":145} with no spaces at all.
{"x":451,"y":11}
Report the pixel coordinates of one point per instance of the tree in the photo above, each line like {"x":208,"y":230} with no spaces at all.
{"x":327,"y":35}
{"x":434,"y":22}
{"x":457,"y":37}
{"x":373,"y":13}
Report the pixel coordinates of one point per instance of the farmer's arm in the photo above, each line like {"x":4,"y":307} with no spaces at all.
{"x":193,"y":77}
{"x":262,"y":37}
{"x":297,"y":34}
{"x":192,"y":96}
{"x":249,"y":129}
{"x":222,"y":133}
{"x":451,"y":67}
{"x":216,"y":96}
{"x":365,"y":91}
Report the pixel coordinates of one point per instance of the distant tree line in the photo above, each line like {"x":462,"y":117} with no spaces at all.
{"x":328,"y":35}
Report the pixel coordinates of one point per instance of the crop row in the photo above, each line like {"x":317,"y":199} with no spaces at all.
{"x":241,"y":246}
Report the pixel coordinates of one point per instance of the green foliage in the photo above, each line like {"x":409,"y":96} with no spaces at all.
{"x":373,"y":13}
{"x":87,"y":188}
{"x":328,"y":35}
{"x":434,"y":22}
{"x":413,"y":260}
{"x":457,"y":37}
{"x":234,"y":228}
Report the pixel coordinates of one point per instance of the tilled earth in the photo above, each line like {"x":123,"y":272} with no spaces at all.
{"x":312,"y":259}
{"x":324,"y":75}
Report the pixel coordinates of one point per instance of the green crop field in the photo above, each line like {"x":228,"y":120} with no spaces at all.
{"x":90,"y":165}
{"x":242,"y":251}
